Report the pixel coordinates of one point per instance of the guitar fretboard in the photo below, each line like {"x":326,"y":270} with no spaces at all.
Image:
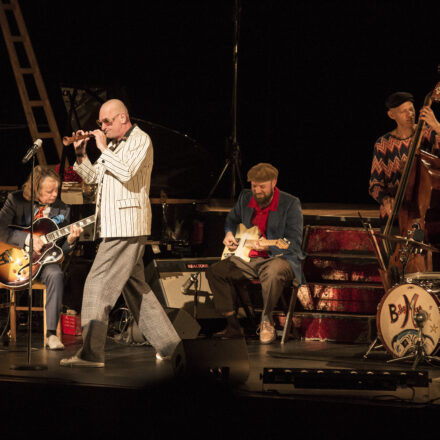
{"x":55,"y":235}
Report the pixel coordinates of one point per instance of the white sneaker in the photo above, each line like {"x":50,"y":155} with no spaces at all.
{"x":75,"y":361}
{"x":53,"y":343}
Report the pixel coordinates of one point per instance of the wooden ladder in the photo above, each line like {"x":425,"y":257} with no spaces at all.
{"x":39,"y":115}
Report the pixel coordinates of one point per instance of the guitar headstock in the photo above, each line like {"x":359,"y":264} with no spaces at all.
{"x":283,"y":243}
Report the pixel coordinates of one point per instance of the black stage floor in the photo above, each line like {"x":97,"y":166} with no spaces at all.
{"x":134,"y":393}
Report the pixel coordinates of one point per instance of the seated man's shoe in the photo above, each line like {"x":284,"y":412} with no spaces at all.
{"x":267,"y":332}
{"x":229,"y":333}
{"x":53,"y":343}
{"x":75,"y":361}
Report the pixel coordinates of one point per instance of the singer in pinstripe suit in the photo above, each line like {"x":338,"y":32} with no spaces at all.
{"x":123,"y":210}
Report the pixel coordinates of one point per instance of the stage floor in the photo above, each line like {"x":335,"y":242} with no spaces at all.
{"x":135,"y":389}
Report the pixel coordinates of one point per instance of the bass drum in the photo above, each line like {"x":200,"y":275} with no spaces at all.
{"x":396,"y":326}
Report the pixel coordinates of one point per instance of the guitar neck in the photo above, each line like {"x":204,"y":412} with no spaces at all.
{"x":62,"y":232}
{"x":262,"y":242}
{"x":265,"y":242}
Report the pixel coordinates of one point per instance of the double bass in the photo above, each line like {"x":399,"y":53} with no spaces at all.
{"x":418,"y":194}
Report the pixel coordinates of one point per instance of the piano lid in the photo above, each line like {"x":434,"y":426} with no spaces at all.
{"x":183,"y":168}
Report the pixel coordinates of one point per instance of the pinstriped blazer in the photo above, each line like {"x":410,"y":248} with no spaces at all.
{"x":123,"y":175}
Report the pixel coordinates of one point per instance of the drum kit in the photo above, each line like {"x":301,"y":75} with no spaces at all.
{"x":408,"y":316}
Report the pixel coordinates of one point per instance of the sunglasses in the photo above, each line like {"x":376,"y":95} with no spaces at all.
{"x":107,"y":120}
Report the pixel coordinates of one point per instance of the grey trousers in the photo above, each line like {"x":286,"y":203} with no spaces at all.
{"x":118,"y":268}
{"x":52,"y":275}
{"x":274,"y":275}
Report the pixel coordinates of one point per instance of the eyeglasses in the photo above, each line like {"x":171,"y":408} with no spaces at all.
{"x":107,"y":120}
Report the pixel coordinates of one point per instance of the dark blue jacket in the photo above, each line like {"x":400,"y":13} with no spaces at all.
{"x":285,"y":222}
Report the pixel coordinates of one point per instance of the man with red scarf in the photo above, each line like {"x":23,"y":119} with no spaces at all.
{"x":277,"y":215}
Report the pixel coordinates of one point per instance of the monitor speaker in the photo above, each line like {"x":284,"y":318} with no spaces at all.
{"x":176,"y":281}
{"x":186,"y":327}
{"x":222,"y":359}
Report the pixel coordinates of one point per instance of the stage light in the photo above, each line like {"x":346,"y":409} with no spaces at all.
{"x":350,"y":379}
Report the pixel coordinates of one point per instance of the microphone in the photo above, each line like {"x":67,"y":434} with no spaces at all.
{"x":420,"y":318}
{"x":189,"y":283}
{"x":31,"y":152}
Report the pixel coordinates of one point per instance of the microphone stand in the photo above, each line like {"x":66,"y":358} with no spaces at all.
{"x":418,"y":351}
{"x":28,"y":365}
{"x":233,"y":160}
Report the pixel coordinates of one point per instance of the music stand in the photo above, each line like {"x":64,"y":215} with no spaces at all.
{"x":28,"y":365}
{"x":233,"y":161}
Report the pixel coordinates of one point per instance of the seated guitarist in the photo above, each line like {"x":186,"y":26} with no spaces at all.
{"x":16,"y":211}
{"x":277,"y":215}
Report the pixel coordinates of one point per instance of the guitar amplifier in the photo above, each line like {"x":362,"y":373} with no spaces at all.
{"x":176,"y":281}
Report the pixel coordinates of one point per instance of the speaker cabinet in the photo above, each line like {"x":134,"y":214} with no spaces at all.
{"x":227,"y":359}
{"x":170,"y":280}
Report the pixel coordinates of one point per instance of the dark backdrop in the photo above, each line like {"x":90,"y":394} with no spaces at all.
{"x":313,"y":76}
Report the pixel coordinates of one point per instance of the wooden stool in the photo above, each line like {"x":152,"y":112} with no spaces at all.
{"x":36,"y":285}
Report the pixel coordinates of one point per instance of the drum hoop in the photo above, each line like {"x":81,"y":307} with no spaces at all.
{"x":419,"y":276}
{"x":379,"y":310}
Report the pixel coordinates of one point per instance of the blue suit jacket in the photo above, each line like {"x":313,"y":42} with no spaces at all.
{"x":17,"y":211}
{"x":285,"y":222}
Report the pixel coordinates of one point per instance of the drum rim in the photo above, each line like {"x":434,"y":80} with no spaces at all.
{"x":416,"y":276}
{"x":379,"y":310}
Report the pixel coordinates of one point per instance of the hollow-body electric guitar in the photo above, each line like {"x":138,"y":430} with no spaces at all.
{"x":14,"y":261}
{"x":246,"y":239}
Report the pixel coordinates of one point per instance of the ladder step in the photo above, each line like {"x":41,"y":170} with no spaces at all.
{"x":25,"y":70}
{"x":46,"y":134}
{"x":17,"y":38}
{"x":36,"y":103}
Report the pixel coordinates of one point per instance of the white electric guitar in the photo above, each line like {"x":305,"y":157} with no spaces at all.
{"x":247,"y":239}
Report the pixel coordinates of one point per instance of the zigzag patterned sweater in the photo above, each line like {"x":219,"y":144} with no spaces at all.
{"x":387,"y":166}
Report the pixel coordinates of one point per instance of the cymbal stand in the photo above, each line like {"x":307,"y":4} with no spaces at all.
{"x":233,"y":160}
{"x":418,"y":353}
{"x":382,"y":271}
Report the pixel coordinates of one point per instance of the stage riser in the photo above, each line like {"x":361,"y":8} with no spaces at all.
{"x":333,"y":329}
{"x":338,"y":239}
{"x":321,"y":270}
{"x":340,"y":299}
{"x":342,"y":278}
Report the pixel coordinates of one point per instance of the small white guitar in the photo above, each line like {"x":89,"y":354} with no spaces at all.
{"x":247,"y":239}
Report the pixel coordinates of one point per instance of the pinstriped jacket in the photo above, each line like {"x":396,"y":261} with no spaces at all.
{"x":123,"y":175}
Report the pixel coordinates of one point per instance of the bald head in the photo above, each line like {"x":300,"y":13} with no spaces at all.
{"x":114,"y":105}
{"x":115,"y":119}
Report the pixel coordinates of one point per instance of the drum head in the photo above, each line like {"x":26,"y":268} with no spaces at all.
{"x":395,"y":319}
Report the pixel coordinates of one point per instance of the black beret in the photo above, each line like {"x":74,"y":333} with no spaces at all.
{"x":398,"y":98}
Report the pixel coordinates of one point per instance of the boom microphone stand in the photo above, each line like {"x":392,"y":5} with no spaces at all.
{"x":233,"y":160}
{"x":28,"y":365}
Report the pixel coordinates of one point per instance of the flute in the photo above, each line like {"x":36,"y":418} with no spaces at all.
{"x":77,"y":137}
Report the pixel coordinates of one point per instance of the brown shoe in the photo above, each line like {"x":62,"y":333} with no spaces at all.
{"x":229,"y":333}
{"x":267,"y":332}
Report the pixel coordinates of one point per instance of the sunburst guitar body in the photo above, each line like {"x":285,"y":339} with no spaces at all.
{"x":15,"y":262}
